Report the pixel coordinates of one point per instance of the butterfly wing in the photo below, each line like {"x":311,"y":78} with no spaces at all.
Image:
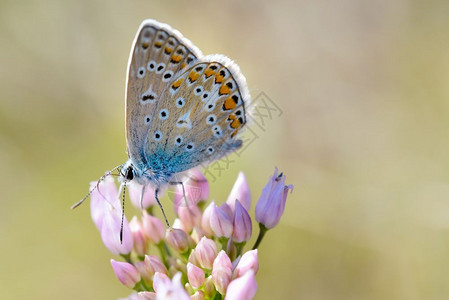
{"x":198,"y":117}
{"x":158,"y":54}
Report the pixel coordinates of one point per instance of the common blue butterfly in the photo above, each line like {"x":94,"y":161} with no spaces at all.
{"x":183,"y":109}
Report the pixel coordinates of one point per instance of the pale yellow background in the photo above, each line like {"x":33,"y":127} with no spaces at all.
{"x":363,"y":87}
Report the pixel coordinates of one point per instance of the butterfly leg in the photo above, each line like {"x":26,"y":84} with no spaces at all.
{"x":160,"y":205}
{"x":183,"y":189}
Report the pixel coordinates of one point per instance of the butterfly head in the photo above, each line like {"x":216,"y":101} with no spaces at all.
{"x":127,"y":172}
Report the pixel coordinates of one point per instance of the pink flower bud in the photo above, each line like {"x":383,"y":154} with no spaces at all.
{"x":196,"y":189}
{"x":140,"y":241}
{"x":146,"y":296}
{"x":220,"y":222}
{"x":205,"y":252}
{"x":102,"y":199}
{"x":170,"y":290}
{"x":205,"y":219}
{"x":126,"y":273}
{"x":190,"y":217}
{"x":198,"y":295}
{"x":135,"y":192}
{"x":154,"y":263}
{"x":240,"y":191}
{"x":195,"y":275}
{"x":228,"y":210}
{"x":242,"y":224}
{"x":242,"y":288}
{"x":153,"y":228}
{"x":271,"y":204}
{"x":222,"y":272}
{"x":145,"y":272}
{"x":178,"y":239}
{"x":192,"y":257}
{"x":159,"y":280}
{"x":110,"y":232}
{"x":249,"y":261}
{"x":197,"y":234}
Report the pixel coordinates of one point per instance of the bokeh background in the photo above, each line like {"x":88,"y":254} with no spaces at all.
{"x":361,"y":89}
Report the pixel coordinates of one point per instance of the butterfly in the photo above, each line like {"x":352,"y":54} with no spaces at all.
{"x":183,"y":109}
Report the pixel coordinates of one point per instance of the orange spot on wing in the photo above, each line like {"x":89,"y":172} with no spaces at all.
{"x":229,"y":104}
{"x":168,"y":50}
{"x":218,"y":78}
{"x":224,"y":89}
{"x":158,"y":44}
{"x":235,"y":124}
{"x":209,"y":72}
{"x":193,"y":76}
{"x":234,"y":133}
{"x":177,"y":83}
{"x":183,"y":65}
{"x":175,"y":58}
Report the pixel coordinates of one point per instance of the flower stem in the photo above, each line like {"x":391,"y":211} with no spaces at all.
{"x":127,"y":257}
{"x":262,"y":232}
{"x":163,"y":249}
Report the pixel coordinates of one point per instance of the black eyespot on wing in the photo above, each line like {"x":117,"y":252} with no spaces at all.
{"x":168,"y":75}
{"x":213,"y":67}
{"x":198,"y":69}
{"x":160,"y":68}
{"x":222,"y":73}
{"x":235,"y":98}
{"x":147,"y":97}
{"x":229,"y":84}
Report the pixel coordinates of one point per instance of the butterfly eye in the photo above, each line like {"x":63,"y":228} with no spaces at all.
{"x":198,"y":90}
{"x":157,"y":136}
{"x":178,"y":141}
{"x":141,"y":72}
{"x":147,"y":120}
{"x":180,"y":102}
{"x":163,"y":114}
{"x":211,"y":119}
{"x":190,"y":146}
{"x":151,"y":66}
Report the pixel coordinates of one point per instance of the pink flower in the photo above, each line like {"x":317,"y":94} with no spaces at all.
{"x":153,"y":228}
{"x":196,"y":189}
{"x":140,"y":242}
{"x":249,"y":261}
{"x":198,"y":295}
{"x":222,"y":272}
{"x":135,"y":192}
{"x":220,"y":222}
{"x":240,"y":191}
{"x":195,"y":275}
{"x":159,"y":280}
{"x":155,"y":263}
{"x":178,"y":239}
{"x":271,"y":204}
{"x":126,"y":273}
{"x":205,"y":252}
{"x":242,"y":224}
{"x":102,"y":199}
{"x":190,"y":217}
{"x":170,"y":290}
{"x":205,"y":219}
{"x":242,"y":288}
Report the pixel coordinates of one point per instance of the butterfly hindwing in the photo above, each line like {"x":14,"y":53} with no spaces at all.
{"x":159,"y":53}
{"x":199,"y":116}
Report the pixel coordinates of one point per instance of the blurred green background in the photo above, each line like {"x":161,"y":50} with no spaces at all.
{"x":361,"y":131}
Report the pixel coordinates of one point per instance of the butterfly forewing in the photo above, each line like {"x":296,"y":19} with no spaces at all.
{"x":158,"y":55}
{"x":199,"y":116}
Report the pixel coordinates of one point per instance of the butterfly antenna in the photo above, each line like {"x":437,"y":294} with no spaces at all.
{"x":97,"y":187}
{"x":123,"y":213}
{"x":160,"y":205}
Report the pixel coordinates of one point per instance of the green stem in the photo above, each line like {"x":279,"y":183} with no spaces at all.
{"x":127,"y":257}
{"x":262,"y":232}
{"x":224,"y":243}
{"x":239,"y":248}
{"x":163,"y":249}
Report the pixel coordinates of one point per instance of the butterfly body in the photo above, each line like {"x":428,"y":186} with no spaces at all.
{"x":183,"y":109}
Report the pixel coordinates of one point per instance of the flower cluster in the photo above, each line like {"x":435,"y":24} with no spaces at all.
{"x":202,"y":255}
